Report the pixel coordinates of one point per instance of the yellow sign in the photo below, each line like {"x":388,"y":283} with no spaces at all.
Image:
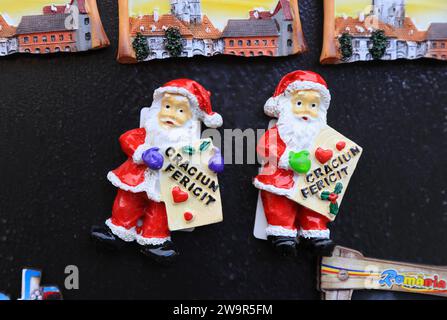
{"x":334,"y":159}
{"x":189,"y":188}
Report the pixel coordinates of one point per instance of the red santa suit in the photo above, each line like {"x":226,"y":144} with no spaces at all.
{"x":276,"y":179}
{"x":138,"y":214}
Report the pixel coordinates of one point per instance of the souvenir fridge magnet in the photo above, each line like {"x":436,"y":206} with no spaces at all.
{"x":43,"y":26}
{"x":158,"y":29}
{"x":306,"y":169}
{"x":169,"y":180}
{"x":384,"y":30}
{"x":33,"y":290}
{"x":348,"y":270}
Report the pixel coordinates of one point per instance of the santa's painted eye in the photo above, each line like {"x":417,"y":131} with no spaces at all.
{"x":314,"y":105}
{"x":168,"y":106}
{"x":181,"y":111}
{"x":299,"y":103}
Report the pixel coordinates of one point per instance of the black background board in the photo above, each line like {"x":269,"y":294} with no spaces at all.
{"x":61,"y":116}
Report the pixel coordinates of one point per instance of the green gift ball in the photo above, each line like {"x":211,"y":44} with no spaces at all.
{"x":299,"y":161}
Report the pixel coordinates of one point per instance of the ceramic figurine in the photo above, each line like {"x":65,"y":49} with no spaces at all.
{"x":384,"y":30}
{"x":306,"y":167}
{"x":169,"y":180}
{"x":44,"y":26}
{"x":158,"y":29}
{"x":348,"y":270}
{"x":32,"y":290}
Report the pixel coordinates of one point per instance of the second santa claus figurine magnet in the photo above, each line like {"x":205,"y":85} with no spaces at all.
{"x":306,"y":167}
{"x":169,"y":180}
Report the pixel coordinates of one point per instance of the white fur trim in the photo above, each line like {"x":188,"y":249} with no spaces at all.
{"x":127,"y":235}
{"x":271,"y":188}
{"x":151,"y":241}
{"x":138,"y":154}
{"x":280,"y":231}
{"x":324,"y":234}
{"x":283,"y":162}
{"x":213,"y":120}
{"x":149,"y":185}
{"x":272,"y":107}
{"x":210,"y":120}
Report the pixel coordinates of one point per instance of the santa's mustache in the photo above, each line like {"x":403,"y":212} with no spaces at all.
{"x":169,"y":120}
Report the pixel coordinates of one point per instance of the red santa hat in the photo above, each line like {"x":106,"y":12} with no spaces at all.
{"x":297,"y":80}
{"x":198,"y":97}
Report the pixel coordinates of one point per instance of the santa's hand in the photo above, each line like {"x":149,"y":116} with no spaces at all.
{"x":153,"y":158}
{"x":300,"y":161}
{"x":216,"y":163}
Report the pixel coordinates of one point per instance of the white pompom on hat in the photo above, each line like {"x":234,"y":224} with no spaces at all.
{"x":297,"y":80}
{"x":198,"y":97}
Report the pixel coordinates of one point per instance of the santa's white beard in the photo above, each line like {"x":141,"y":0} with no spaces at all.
{"x":161,"y":137}
{"x":299,"y":134}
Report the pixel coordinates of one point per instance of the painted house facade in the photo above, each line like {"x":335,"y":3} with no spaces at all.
{"x":284,"y":19}
{"x":80,"y":21}
{"x":46,"y":34}
{"x":200,"y":36}
{"x":153,"y":28}
{"x":251,"y":37}
{"x":8,"y":40}
{"x":404,"y":38}
{"x":437,"y":41}
{"x":282,"y":15}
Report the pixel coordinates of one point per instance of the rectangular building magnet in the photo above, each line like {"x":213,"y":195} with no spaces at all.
{"x":43,"y":26}
{"x":384,"y":30}
{"x":158,"y":29}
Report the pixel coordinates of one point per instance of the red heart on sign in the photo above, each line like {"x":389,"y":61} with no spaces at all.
{"x":188,"y":216}
{"x":323,"y":155}
{"x":340,"y":145}
{"x":178,"y":195}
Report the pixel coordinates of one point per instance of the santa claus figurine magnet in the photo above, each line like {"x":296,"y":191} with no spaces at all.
{"x":306,"y":167}
{"x":169,"y":180}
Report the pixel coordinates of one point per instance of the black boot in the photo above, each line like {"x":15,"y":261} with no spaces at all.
{"x":285,"y":246}
{"x":165,"y":253}
{"x":319,"y":246}
{"x":105,"y":237}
